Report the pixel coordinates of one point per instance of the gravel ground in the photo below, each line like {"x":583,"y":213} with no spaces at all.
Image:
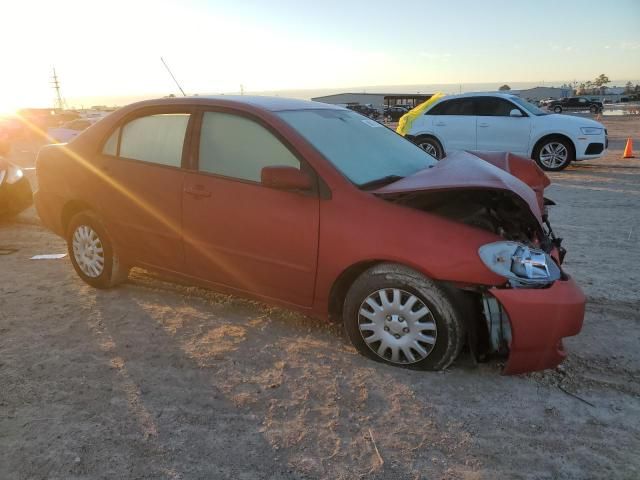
{"x":158,"y":380}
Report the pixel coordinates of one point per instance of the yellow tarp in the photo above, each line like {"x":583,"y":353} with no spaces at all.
{"x":404,"y":126}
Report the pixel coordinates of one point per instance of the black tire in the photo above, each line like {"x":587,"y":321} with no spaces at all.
{"x":557,"y":109}
{"x":594,"y":109}
{"x":431,"y":145}
{"x":538,"y":151}
{"x":449,"y":327}
{"x":113,"y":271}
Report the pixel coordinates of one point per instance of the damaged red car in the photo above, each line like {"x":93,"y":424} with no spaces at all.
{"x":320,"y":209}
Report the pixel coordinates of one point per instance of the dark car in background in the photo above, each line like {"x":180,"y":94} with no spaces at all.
{"x":395,"y":112}
{"x":365,"y":110}
{"x":15,"y":189}
{"x":574,"y":104}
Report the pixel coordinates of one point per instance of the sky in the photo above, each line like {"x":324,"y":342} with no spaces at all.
{"x":109,"y":51}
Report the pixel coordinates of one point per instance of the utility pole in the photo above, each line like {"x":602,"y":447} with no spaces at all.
{"x":55,"y":83}
{"x":241,"y":89}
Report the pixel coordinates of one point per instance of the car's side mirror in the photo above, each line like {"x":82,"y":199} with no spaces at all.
{"x":515,"y":113}
{"x":285,"y":178}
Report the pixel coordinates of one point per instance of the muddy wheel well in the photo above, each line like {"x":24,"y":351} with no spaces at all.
{"x":549,"y":137}
{"x":342,"y":284}
{"x":69,"y":210}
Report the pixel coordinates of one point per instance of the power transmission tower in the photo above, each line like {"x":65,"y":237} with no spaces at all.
{"x":59,"y":103}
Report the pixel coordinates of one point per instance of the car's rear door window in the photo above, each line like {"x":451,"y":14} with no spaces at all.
{"x":460,"y":106}
{"x":493,"y":107}
{"x":155,"y":138}
{"x":237,"y":147}
{"x":111,"y":145}
{"x":438,"y":109}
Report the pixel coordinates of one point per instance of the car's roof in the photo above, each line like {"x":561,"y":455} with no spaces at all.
{"x":273,"y":104}
{"x":481,"y":94}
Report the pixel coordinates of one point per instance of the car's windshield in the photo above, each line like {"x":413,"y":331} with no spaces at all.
{"x":529,"y":107}
{"x":362,"y":149}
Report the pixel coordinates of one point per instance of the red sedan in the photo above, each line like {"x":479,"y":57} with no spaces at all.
{"x":320,"y":209}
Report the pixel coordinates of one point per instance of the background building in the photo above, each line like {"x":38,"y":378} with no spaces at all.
{"x":543,"y":93}
{"x":375,"y":100}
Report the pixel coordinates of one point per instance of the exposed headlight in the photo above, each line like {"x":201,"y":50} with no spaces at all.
{"x":591,"y":130}
{"x":13,"y":174}
{"x":523,"y":266}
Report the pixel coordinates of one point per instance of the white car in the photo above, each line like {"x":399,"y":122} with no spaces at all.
{"x":501,"y":122}
{"x":70,"y":130}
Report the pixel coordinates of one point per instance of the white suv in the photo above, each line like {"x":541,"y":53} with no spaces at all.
{"x":500,"y":122}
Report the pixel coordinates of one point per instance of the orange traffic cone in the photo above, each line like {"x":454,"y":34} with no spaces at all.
{"x":628,"y":150}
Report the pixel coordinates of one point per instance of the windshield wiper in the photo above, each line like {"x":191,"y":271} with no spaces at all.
{"x":381,"y":181}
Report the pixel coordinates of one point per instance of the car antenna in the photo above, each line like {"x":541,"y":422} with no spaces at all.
{"x":174,"y":78}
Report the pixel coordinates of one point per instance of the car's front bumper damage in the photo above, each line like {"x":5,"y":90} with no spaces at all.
{"x":538,"y":319}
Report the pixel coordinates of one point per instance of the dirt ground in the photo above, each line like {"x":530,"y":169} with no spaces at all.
{"x":157,"y":380}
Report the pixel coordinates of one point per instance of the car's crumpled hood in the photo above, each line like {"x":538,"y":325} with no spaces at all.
{"x":464,"y":170}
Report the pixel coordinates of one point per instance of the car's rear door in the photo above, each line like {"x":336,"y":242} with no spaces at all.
{"x":238,"y":232}
{"x":455,"y":124}
{"x":497,"y":131}
{"x":139,"y":187}
{"x":583,"y":104}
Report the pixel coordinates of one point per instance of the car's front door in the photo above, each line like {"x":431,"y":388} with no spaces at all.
{"x":497,"y":131}
{"x":573,"y":103}
{"x":454,"y":124}
{"x":138,"y":191}
{"x":238,"y":232}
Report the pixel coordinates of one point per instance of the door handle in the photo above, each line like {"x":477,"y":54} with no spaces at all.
{"x":483,"y":125}
{"x":197,"y":191}
{"x":440,"y":124}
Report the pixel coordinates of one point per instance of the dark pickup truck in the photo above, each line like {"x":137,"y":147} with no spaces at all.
{"x":574,"y":104}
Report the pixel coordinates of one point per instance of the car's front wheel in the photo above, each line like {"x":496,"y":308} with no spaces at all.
{"x":554,"y":154}
{"x":92,"y":252}
{"x":431,"y":146}
{"x":557,"y":109}
{"x":594,"y":109}
{"x":395,"y":315}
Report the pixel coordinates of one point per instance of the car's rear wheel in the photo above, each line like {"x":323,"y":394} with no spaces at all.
{"x":431,"y":146}
{"x":554,"y":154}
{"x":92,"y":252}
{"x":395,"y":315}
{"x":557,"y":109}
{"x":593,"y":109}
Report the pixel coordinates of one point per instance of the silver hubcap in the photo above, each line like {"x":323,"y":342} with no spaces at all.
{"x":553,"y":155}
{"x":430,"y":149}
{"x":397,"y":326}
{"x":87,"y":251}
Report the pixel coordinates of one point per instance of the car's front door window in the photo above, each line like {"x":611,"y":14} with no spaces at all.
{"x":237,"y":147}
